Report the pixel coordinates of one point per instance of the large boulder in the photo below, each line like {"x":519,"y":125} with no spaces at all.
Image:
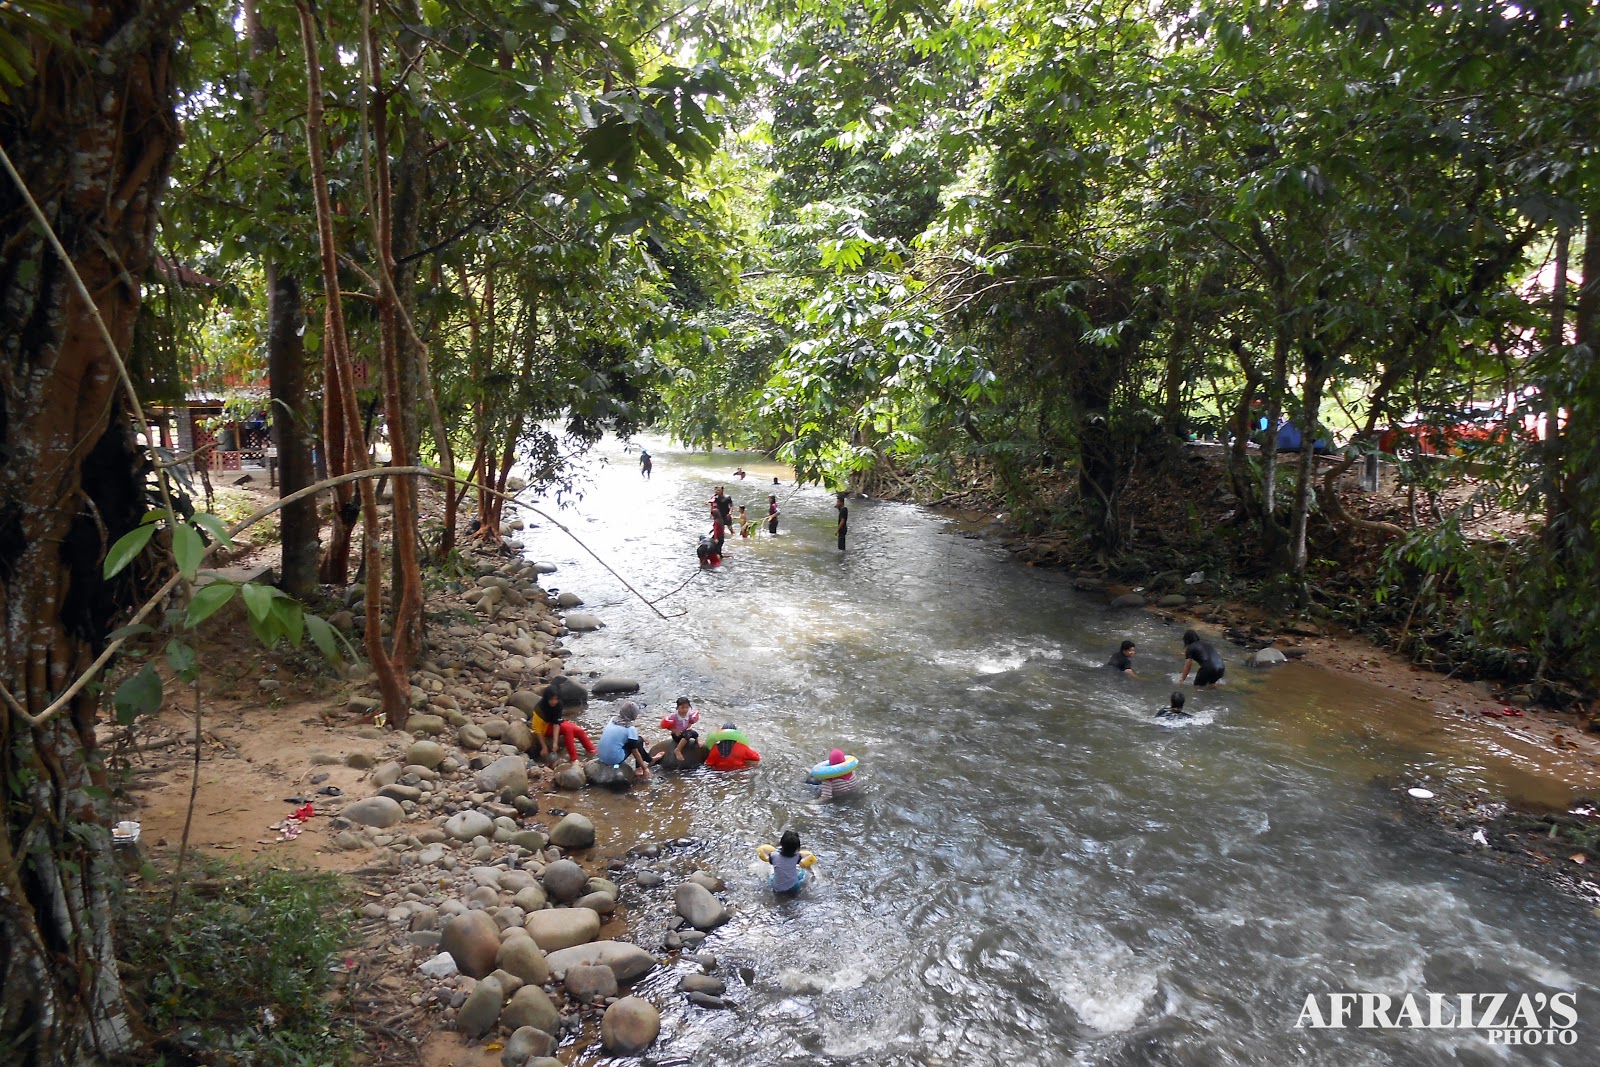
{"x":527,"y":1048}
{"x":465,"y":825}
{"x":530,"y":899}
{"x":530,"y":1006}
{"x":581,"y":622}
{"x":427,"y":754}
{"x":431,"y":725}
{"x":524,"y":700}
{"x":573,"y":694}
{"x":571,"y":777}
{"x":473,"y":941}
{"x":693,"y":756}
{"x":613,"y":684}
{"x":626,"y":961}
{"x":507,"y":776}
{"x":1266,"y":657}
{"x":381,"y":812}
{"x":565,"y":881}
{"x":590,"y":982}
{"x":573,"y":831}
{"x":629,"y":1026}
{"x":603,"y":774}
{"x":518,"y":735}
{"x":558,"y":928}
{"x":523,"y":957}
{"x":482,"y":1009}
{"x":698,"y":907}
{"x":568,"y":599}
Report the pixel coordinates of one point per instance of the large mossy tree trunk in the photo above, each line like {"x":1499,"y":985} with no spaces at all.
{"x":92,"y":133}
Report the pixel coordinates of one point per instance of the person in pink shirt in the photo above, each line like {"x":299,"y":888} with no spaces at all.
{"x":681,"y":724}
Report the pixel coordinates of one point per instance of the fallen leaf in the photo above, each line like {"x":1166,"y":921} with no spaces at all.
{"x":1578,"y":857}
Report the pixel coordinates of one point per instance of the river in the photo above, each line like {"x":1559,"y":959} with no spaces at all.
{"x":1036,"y":871}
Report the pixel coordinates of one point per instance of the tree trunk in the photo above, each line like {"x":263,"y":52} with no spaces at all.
{"x":92,"y":133}
{"x":286,"y":367}
{"x":1316,"y":375}
{"x":396,"y":704}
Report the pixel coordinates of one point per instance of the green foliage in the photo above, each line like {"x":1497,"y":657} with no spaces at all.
{"x":240,"y":974}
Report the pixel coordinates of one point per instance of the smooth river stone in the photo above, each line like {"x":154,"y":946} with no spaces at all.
{"x":558,"y":928}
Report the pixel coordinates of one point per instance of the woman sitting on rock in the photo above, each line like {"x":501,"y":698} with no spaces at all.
{"x":730,"y":749}
{"x":620,"y":738}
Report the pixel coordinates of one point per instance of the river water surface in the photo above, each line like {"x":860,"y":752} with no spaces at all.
{"x":1036,"y":871}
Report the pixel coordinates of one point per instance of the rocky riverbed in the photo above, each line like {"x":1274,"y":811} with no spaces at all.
{"x":516,"y":936}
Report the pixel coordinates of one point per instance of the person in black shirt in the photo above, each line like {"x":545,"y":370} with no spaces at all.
{"x":1175,"y":709}
{"x":1201,"y":654}
{"x":1123,"y":659}
{"x":844,"y":520}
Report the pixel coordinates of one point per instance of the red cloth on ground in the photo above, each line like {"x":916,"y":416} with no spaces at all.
{"x":736,"y":758}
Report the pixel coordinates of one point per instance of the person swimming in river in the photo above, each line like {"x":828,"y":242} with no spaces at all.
{"x":1122,"y":660}
{"x":1201,"y":654}
{"x":730,"y":749}
{"x":789,"y":862}
{"x":841,"y":785}
{"x":738,"y":472}
{"x":1175,"y":709}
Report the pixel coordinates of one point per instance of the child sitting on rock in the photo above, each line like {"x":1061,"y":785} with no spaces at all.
{"x":789,"y":862}
{"x":681,"y":725}
{"x":1175,"y":711}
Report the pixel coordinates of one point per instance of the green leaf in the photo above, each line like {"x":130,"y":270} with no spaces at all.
{"x":182,"y":659}
{"x":290,"y":617}
{"x":266,"y":629}
{"x":139,"y":695}
{"x":207,"y":600}
{"x":133,"y":630}
{"x":324,"y":637}
{"x":215,"y":527}
{"x":188,"y":549}
{"x":127,"y":549}
{"x":258,"y":600}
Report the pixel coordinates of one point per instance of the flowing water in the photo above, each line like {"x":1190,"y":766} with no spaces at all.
{"x":1036,"y":871}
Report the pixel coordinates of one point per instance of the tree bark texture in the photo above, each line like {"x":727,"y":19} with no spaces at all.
{"x":92,"y":133}
{"x":291,"y":432}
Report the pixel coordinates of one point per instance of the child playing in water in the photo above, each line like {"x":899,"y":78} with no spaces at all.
{"x":1175,"y":711}
{"x":829,"y":788}
{"x":789,"y":862}
{"x":729,"y":750}
{"x":744,"y":522}
{"x":681,"y":724}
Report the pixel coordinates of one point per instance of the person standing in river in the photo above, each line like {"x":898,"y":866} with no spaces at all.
{"x":1201,"y":654}
{"x":645,"y":464}
{"x":772,"y":514}
{"x":844,"y":519}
